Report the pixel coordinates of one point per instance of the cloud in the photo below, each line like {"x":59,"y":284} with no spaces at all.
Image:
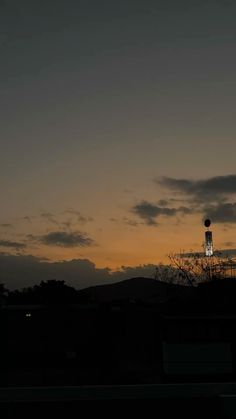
{"x":12,"y":244}
{"x":209,"y":196}
{"x":24,"y":271}
{"x":149,"y":212}
{"x":49,"y":217}
{"x":66,"y":239}
{"x":68,"y":224}
{"x":221,"y":213}
{"x":80,"y":218}
{"x":129,"y":222}
{"x":126,"y":272}
{"x":211,"y":189}
{"x":6,"y":225}
{"x":31,"y":238}
{"x":71,"y":211}
{"x":163,"y":203}
{"x":28,"y":218}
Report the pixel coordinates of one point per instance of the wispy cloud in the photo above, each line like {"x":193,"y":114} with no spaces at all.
{"x":28,"y":218}
{"x":130,"y":222}
{"x":79,"y":217}
{"x":12,"y":244}
{"x":221,"y":213}
{"x":48,"y":216}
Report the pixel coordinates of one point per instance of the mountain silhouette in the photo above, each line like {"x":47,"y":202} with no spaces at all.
{"x":147,"y":290}
{"x":216,"y":296}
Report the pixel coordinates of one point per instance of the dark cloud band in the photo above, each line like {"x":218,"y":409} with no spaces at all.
{"x":221,"y":213}
{"x":22,"y":271}
{"x":12,"y":244}
{"x":211,"y":188}
{"x":66,"y":239}
{"x":150,"y":212}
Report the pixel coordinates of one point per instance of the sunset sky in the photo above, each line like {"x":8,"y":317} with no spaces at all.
{"x":118,"y":122}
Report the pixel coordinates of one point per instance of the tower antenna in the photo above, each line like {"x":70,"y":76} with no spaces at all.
{"x":208,"y":239}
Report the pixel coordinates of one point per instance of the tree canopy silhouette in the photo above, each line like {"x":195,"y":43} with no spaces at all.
{"x":47,"y":292}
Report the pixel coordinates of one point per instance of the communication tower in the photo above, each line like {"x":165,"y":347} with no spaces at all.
{"x":208,"y":239}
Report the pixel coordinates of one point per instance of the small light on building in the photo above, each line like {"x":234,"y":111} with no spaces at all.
{"x":27,"y":314}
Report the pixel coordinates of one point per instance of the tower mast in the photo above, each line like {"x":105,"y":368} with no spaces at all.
{"x":208,"y":239}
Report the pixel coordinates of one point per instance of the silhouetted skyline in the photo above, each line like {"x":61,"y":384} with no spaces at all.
{"x":117,"y":130}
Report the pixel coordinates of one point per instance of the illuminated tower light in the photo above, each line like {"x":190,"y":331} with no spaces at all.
{"x":208,"y":239}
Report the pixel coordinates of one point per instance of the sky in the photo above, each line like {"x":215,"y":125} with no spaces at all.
{"x":117,"y":132}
